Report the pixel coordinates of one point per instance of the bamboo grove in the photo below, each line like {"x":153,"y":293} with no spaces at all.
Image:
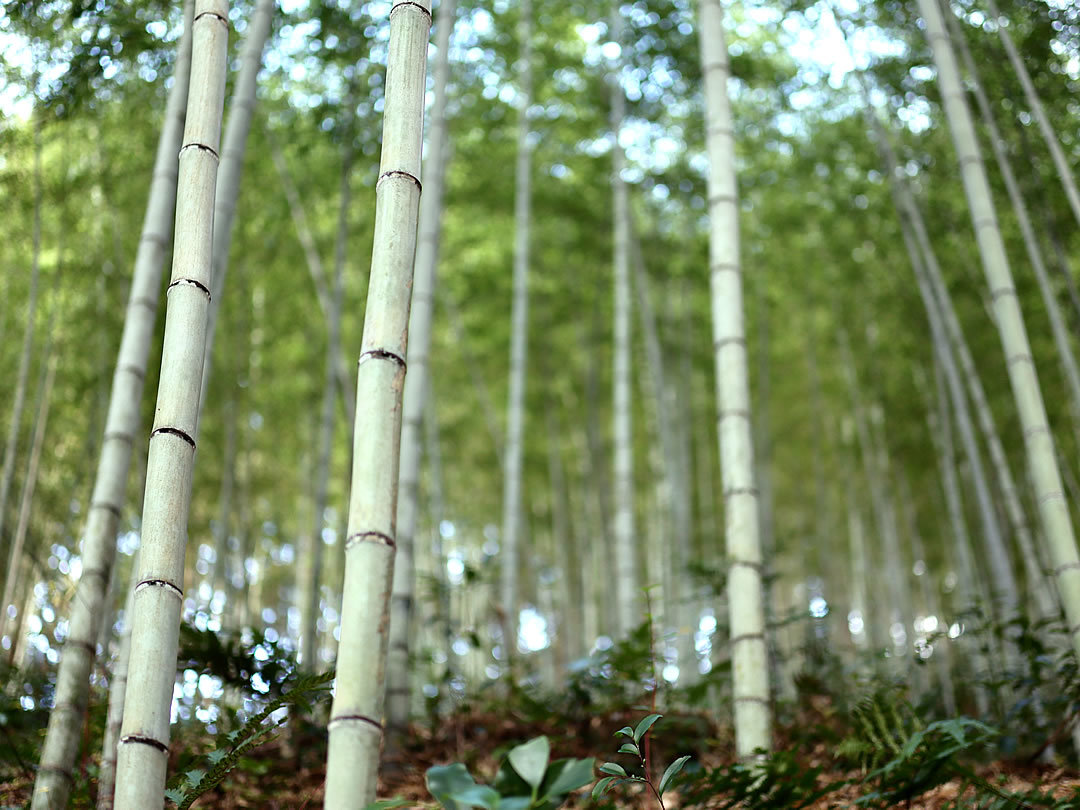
{"x":494,"y":329}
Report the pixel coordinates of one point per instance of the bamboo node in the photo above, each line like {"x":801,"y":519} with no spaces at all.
{"x":163,"y":583}
{"x":136,"y":738}
{"x":381,"y":354}
{"x":369,"y":537}
{"x":400,"y":172}
{"x":352,"y":718}
{"x":175,"y":432}
{"x":192,"y":282}
{"x":422,"y":8}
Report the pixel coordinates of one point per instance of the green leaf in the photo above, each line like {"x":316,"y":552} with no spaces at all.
{"x":569,"y":775}
{"x":478,"y":796}
{"x":613,"y":768}
{"x":217,"y":755}
{"x":515,"y":803}
{"x":530,"y":760}
{"x":443,"y":781}
{"x":387,"y":804}
{"x":602,"y":785}
{"x":174,"y":795}
{"x":626,"y":731}
{"x":644,"y":726}
{"x":194,"y":776}
{"x":671,"y":772}
{"x":630,"y":748}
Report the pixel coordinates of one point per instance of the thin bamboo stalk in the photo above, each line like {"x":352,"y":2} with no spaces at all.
{"x":1038,"y":441}
{"x":26,"y":499}
{"x":7,"y":474}
{"x":1058,"y":329}
{"x":749,"y":652}
{"x":53,"y":784}
{"x":519,"y":319}
{"x":144,"y":738}
{"x":1061,"y":164}
{"x":234,"y":145}
{"x":356,"y":718}
{"x":623,"y":436}
{"x":416,"y":389}
{"x":315,"y":268}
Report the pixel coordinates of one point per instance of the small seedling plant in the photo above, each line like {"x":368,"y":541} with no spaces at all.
{"x":638,"y":746}
{"x":526,"y":780}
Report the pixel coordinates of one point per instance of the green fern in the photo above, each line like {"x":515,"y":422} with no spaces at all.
{"x":189,"y":786}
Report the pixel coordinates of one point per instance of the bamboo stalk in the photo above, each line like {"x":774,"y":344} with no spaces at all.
{"x":1023,"y":376}
{"x":144,"y":736}
{"x":416,"y":389}
{"x":59,"y":752}
{"x":356,"y":718}
{"x":519,"y":344}
{"x":749,"y":652}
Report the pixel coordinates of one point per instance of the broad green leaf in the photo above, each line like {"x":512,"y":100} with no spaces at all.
{"x":477,"y":796}
{"x":644,"y":726}
{"x":602,"y":785}
{"x":571,"y":775}
{"x":630,"y":748}
{"x":671,"y":772}
{"x":515,"y":802}
{"x":613,"y":768}
{"x":626,"y":731}
{"x":530,"y":760}
{"x":443,"y":781}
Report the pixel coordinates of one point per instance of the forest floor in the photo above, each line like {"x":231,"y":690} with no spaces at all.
{"x":288,"y":773}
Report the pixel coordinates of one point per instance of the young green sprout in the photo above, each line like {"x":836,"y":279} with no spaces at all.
{"x":618,"y":774}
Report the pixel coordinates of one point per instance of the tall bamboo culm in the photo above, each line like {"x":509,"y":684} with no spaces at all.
{"x":159,"y":584}
{"x":1038,"y":441}
{"x":753,"y":721}
{"x":622,"y":428}
{"x":7,"y":474}
{"x":356,"y":717}
{"x":53,"y":784}
{"x":1058,"y":327}
{"x":519,"y":343}
{"x":234,"y":145}
{"x":1061,"y":163}
{"x":416,"y":387}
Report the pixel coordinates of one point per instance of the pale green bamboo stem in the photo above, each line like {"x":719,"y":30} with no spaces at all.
{"x":519,"y":319}
{"x":233,"y":147}
{"x":416,"y":388}
{"x":7,"y":474}
{"x":753,"y":722}
{"x":315,"y":268}
{"x":309,"y":607}
{"x":625,"y":564}
{"x":1068,"y":182}
{"x":356,"y":718}
{"x":1038,"y":441}
{"x":115,"y":713}
{"x":53,"y":783}
{"x":26,"y":499}
{"x":144,"y":735}
{"x":940,"y":423}
{"x":1027,"y":229}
